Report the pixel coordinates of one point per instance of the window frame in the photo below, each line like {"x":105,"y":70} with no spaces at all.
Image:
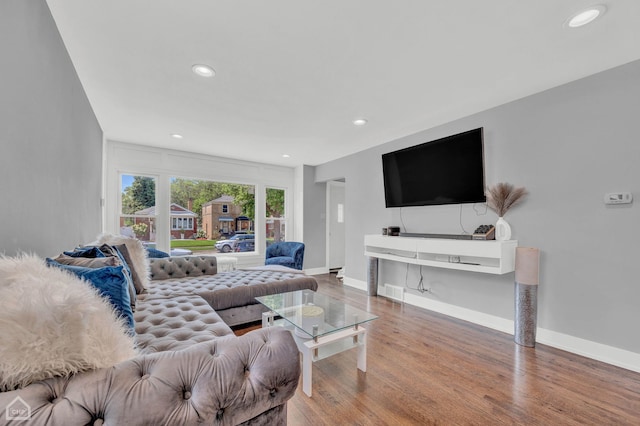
{"x":164,"y":164}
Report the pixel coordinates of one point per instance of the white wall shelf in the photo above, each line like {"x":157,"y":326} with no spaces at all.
{"x":490,"y":257}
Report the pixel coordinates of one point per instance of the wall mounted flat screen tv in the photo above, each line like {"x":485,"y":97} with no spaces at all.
{"x":444,"y":171}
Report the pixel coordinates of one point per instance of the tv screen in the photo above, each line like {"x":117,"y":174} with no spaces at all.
{"x":445,"y":171}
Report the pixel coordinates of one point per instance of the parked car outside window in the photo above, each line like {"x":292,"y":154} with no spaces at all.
{"x":245,"y":245}
{"x":229,"y":245}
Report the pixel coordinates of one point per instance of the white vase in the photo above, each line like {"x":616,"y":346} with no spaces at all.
{"x":503,"y":230}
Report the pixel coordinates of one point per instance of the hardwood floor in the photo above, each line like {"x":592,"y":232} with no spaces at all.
{"x":424,"y":368}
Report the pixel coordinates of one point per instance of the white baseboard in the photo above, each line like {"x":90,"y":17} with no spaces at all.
{"x":352,"y":282}
{"x":316,"y":271}
{"x":587,"y":348}
{"x":480,"y":318}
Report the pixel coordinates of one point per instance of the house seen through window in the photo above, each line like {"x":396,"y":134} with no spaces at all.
{"x":204,"y":214}
{"x":205,"y":217}
{"x":137,"y":207}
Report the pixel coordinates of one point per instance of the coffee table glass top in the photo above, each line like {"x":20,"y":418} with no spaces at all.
{"x":305,"y":309}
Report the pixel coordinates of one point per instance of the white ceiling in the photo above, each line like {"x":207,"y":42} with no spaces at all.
{"x":292,"y":75}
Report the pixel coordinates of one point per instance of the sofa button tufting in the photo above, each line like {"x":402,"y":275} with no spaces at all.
{"x":187,"y":395}
{"x":219,"y":414}
{"x":272,"y":392}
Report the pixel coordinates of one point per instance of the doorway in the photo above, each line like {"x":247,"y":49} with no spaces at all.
{"x":335,"y":225}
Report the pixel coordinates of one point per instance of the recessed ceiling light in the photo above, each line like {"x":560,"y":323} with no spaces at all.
{"x":286,"y":156}
{"x":359,"y":122}
{"x":203,"y":70}
{"x":586,"y":16}
{"x":176,"y":136}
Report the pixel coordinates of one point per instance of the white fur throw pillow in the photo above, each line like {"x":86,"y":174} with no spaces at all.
{"x":140,"y":269}
{"x":54,"y":324}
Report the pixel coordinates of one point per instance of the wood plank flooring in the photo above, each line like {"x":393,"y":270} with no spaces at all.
{"x":424,"y":368}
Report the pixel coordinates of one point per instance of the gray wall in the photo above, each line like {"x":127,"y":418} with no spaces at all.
{"x":568,"y":146}
{"x":50,"y":140}
{"x":315,"y":207}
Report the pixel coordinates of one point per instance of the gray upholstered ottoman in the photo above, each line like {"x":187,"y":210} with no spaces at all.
{"x":231,"y":294}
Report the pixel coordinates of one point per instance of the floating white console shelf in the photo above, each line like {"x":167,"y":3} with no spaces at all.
{"x":491,"y":257}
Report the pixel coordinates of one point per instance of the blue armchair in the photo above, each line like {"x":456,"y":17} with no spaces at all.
{"x":286,"y":253}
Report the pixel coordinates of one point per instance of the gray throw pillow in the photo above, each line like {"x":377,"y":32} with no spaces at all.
{"x":135,"y":274}
{"x":86,"y":262}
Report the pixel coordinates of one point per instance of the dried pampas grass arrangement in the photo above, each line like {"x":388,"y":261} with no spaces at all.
{"x":502,"y":196}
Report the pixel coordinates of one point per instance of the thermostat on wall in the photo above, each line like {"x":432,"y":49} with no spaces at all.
{"x":618,"y":198}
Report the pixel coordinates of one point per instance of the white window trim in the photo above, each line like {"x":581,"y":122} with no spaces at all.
{"x":163,"y":164}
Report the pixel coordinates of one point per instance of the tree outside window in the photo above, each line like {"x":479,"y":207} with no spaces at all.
{"x":275,"y":220}
{"x":137,"y":200}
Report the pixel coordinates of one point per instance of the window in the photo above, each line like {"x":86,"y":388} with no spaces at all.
{"x":189,"y":182}
{"x":138,"y":207}
{"x":205,"y":212}
{"x":275,"y":220}
{"x":181,"y":223}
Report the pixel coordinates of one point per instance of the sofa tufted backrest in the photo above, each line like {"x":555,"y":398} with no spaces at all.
{"x":227,"y":381}
{"x":183,"y":267}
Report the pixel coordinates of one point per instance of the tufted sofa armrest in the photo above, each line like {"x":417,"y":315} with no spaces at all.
{"x":182,"y":267}
{"x":226,"y":381}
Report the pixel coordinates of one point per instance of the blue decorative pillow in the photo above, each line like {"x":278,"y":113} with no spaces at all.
{"x":105,"y":251}
{"x":155,"y":253}
{"x":85,"y":252}
{"x":110,"y":282}
{"x":114,"y":251}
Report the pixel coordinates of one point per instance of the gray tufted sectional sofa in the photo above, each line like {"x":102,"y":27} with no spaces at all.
{"x":191,"y":369}
{"x":231,"y":294}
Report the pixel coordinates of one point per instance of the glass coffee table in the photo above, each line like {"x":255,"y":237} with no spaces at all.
{"x":321,"y":326}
